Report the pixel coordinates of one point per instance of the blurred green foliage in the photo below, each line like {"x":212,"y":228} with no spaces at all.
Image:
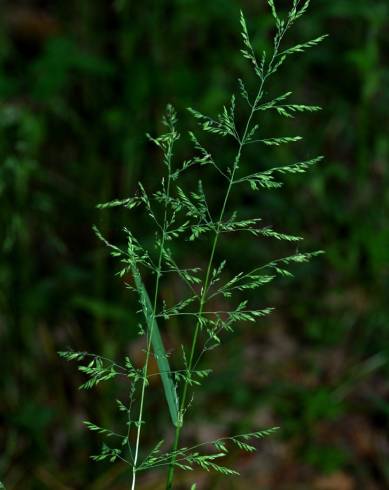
{"x":80,"y":84}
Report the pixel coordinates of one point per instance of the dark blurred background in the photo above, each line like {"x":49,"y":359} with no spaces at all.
{"x":80,"y":84}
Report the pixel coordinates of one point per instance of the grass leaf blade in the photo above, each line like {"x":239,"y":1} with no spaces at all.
{"x":158,"y":348}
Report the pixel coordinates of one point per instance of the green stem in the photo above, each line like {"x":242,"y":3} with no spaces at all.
{"x":148,"y":350}
{"x":242,"y":141}
{"x":170,"y":475}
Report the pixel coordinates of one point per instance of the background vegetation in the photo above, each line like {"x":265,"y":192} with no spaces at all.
{"x":80,"y":84}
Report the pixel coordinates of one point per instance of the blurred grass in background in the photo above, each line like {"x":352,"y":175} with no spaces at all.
{"x":80,"y":84}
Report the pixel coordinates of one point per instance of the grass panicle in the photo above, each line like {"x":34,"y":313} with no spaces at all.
{"x":180,"y":214}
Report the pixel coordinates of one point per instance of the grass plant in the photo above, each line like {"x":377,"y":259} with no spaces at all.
{"x":182,"y":216}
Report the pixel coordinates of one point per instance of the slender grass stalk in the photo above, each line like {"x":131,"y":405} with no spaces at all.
{"x":241,"y":142}
{"x":150,"y":315}
{"x":169,"y":484}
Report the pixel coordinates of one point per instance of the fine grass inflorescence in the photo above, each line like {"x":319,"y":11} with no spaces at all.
{"x":179,"y":214}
